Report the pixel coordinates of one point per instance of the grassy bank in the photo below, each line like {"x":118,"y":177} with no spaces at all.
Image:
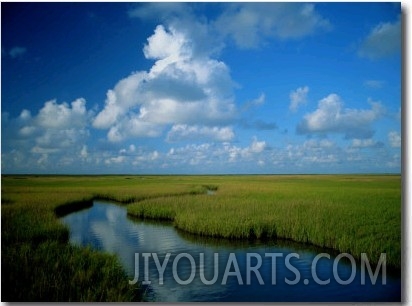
{"x":355,"y":214}
{"x":38,"y":264}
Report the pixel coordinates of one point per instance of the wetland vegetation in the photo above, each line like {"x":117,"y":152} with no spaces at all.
{"x":349,"y":213}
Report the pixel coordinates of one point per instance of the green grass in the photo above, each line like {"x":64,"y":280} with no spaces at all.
{"x":350,"y":213}
{"x":52,"y":271}
{"x":38,"y":264}
{"x":354,"y":214}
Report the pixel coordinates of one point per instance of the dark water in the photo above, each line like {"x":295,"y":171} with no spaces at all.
{"x":107,"y":227}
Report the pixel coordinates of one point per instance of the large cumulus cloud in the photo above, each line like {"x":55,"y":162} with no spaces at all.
{"x":182,"y":87}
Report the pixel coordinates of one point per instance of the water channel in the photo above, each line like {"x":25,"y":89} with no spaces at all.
{"x":106,"y":227}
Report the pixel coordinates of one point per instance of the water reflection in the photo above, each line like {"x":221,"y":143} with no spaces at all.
{"x":106,"y":227}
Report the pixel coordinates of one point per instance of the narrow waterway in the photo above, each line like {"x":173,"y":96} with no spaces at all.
{"x":247,"y":271}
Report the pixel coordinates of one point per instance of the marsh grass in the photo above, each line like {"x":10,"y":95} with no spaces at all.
{"x":52,"y":271}
{"x":38,"y":264}
{"x":355,"y":214}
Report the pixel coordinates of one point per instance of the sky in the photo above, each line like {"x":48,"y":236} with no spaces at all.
{"x":201,"y":88}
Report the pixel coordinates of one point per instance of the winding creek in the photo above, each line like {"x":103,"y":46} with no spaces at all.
{"x":106,"y":226}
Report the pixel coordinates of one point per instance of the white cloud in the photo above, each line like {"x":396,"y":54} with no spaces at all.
{"x":358,"y":155}
{"x":59,"y":116}
{"x":169,"y":46}
{"x":132,"y":158}
{"x":314,"y":144}
{"x":61,"y":138}
{"x":17,"y":52}
{"x":326,"y":154}
{"x":395,"y":139}
{"x":160,"y":10}
{"x":257,"y":146}
{"x":217,"y":154}
{"x":118,"y":100}
{"x":83,"y":152}
{"x":52,"y":137}
{"x":332,"y":117}
{"x":366,"y":143}
{"x":237,"y":154}
{"x":195,"y":132}
{"x":312,"y":151}
{"x":255,"y":102}
{"x":205,"y":40}
{"x":115,"y":160}
{"x":25,"y":114}
{"x":394,"y":161}
{"x":146,"y":158}
{"x":131,"y":126}
{"x":250,"y":24}
{"x":180,"y":88}
{"x":374,"y":84}
{"x":27,"y":131}
{"x":55,"y":119}
{"x":298,"y":97}
{"x":260,"y":100}
{"x":383,"y":40}
{"x":130,"y":150}
{"x":191,"y":155}
{"x":44,"y":151}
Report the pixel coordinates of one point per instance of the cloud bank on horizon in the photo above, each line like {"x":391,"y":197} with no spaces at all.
{"x":201,"y":88}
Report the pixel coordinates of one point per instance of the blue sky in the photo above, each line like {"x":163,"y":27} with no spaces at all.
{"x":164,"y":88}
